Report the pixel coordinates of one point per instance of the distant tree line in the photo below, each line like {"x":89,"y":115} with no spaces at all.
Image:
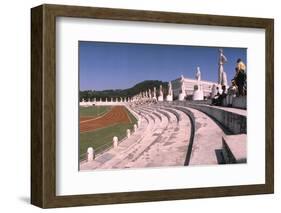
{"x":130,"y":92}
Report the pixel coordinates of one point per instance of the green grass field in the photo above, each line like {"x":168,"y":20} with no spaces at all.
{"x":103,"y":136}
{"x":93,"y":111}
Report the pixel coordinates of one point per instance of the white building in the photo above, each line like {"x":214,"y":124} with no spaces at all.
{"x":189,"y":85}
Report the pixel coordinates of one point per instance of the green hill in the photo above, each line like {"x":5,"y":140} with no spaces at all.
{"x":140,"y":87}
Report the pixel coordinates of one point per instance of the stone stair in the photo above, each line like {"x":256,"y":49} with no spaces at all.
{"x":234,"y":148}
{"x":174,"y":135}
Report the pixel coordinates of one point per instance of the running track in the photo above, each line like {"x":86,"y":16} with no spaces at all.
{"x":118,"y":114}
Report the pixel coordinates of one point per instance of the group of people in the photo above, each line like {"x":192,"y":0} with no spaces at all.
{"x":238,"y":86}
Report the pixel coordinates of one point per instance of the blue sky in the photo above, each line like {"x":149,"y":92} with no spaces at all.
{"x":108,"y":65}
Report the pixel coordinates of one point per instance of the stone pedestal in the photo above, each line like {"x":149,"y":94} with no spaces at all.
{"x":128,"y":133}
{"x":198,"y":95}
{"x":115,"y":142}
{"x":181,"y":97}
{"x":160,"y":98}
{"x":90,"y":154}
{"x":135,"y":127}
{"x":169,"y":98}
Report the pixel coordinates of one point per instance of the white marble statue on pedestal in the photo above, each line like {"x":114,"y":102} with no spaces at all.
{"x":149,"y":93}
{"x":222,"y":61}
{"x":160,"y":97}
{"x":170,"y":92}
{"x":198,"y":93}
{"x":154,"y":93}
{"x":182,"y":94}
{"x":198,"y":74}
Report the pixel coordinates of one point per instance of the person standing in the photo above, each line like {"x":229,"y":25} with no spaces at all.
{"x":241,"y":77}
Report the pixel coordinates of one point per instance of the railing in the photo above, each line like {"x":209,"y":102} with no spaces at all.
{"x":102,"y":149}
{"x":83,"y":157}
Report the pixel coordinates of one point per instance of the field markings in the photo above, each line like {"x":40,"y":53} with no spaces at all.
{"x":100,"y":128}
{"x":127,"y":111}
{"x":92,"y":119}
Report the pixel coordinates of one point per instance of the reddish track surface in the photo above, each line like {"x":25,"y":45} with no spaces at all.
{"x":117,"y":114}
{"x":86,"y":118}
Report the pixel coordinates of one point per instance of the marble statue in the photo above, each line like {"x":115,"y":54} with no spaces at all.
{"x":170,"y":92}
{"x":198,"y":93}
{"x":154,"y":93}
{"x":198,"y":74}
{"x":160,"y":90}
{"x":160,"y":97}
{"x":222,"y":61}
{"x":182,"y":94}
{"x":224,"y":79}
{"x":182,"y":78}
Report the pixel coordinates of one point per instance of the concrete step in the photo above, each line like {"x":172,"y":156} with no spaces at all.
{"x":173,"y":135}
{"x":232,"y":119}
{"x":170,"y":148}
{"x":207,"y":136}
{"x":234,"y":148}
{"x":130,"y":148}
